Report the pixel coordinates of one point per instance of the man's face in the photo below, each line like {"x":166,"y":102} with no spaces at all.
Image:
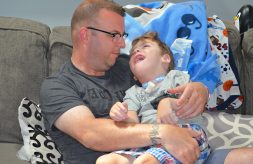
{"x":105,"y":48}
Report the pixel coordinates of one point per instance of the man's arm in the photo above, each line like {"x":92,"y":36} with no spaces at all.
{"x":108,"y":135}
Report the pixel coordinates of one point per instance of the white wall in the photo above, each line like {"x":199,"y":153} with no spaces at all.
{"x":59,"y":12}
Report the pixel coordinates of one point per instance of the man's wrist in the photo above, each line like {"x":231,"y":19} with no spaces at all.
{"x":154,"y":134}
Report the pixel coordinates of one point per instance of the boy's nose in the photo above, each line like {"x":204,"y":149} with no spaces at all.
{"x":136,"y":50}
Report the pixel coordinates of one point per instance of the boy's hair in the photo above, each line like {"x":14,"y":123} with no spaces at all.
{"x":153,"y":36}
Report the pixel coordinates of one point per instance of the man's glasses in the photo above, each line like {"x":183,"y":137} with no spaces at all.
{"x":115,"y":35}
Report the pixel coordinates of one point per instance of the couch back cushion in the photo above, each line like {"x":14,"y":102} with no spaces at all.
{"x":60,"y":48}
{"x":247,"y":66}
{"x":23,"y":51}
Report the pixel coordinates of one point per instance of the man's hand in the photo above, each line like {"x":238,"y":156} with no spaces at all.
{"x":193,"y":99}
{"x":166,"y":111}
{"x":119,"y":111}
{"x":180,"y":143}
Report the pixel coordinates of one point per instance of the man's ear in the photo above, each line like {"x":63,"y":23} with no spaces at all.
{"x":83,"y":34}
{"x":166,"y":58}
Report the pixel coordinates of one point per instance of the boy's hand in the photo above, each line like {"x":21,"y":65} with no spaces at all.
{"x":119,"y":111}
{"x":166,"y":111}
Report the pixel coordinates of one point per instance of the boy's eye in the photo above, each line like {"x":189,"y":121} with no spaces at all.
{"x":146,"y":45}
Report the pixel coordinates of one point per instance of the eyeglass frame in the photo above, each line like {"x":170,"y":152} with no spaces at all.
{"x":115,"y":35}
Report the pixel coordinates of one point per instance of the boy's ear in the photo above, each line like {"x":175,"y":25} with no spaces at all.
{"x":166,"y":58}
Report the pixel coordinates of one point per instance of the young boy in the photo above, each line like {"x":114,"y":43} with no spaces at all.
{"x":151,"y":62}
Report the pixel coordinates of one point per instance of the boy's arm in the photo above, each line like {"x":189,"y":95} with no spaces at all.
{"x":166,"y":111}
{"x":132,"y":117}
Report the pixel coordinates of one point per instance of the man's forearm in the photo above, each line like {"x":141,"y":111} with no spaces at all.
{"x":154,"y":134}
{"x":109,"y":135}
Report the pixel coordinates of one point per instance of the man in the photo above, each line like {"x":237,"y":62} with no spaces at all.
{"x":76,"y":101}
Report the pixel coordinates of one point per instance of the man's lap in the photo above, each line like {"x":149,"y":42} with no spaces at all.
{"x":217,"y":156}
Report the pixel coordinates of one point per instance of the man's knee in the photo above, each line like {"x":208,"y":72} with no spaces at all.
{"x":240,"y":155}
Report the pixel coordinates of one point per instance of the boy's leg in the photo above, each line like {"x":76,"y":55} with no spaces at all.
{"x":146,"y":159}
{"x":115,"y":159}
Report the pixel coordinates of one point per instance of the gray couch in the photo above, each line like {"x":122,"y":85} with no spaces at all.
{"x":30,"y":51}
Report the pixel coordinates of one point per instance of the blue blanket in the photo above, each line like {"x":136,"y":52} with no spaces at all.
{"x":177,"y":20}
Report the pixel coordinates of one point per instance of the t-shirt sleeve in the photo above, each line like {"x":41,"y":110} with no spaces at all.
{"x":131,"y":100}
{"x":56,"y":97}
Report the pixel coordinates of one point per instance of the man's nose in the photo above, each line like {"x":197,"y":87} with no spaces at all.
{"x":122,"y":42}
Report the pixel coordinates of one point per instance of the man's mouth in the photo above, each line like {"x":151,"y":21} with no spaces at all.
{"x":116,"y":54}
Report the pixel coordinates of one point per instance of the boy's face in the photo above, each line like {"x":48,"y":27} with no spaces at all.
{"x":146,"y":60}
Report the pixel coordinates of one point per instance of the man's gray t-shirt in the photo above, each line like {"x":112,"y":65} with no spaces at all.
{"x":69,"y":88}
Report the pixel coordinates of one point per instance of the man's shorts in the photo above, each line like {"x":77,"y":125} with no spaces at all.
{"x":217,"y":156}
